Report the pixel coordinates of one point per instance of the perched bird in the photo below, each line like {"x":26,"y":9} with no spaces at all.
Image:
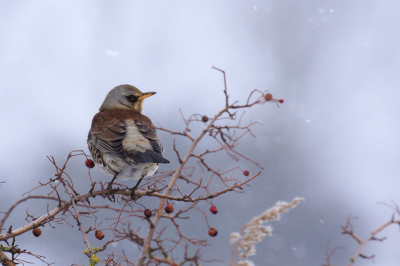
{"x":122,"y":141}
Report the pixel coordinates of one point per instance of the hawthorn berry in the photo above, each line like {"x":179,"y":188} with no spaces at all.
{"x":212,"y":231}
{"x":246,"y":172}
{"x":204,"y":119}
{"x":37,"y":232}
{"x":169,"y":208}
{"x":89,"y":163}
{"x":268,"y":97}
{"x":147,"y":213}
{"x":213,"y":209}
{"x":99,"y":234}
{"x":281,"y":101}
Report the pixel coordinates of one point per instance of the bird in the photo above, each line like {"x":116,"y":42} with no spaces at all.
{"x":122,"y":141}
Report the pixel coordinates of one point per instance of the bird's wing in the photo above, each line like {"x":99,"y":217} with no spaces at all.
{"x":107,"y":132}
{"x":147,"y":129}
{"x":109,"y":129}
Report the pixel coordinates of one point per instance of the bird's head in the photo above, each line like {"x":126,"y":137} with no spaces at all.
{"x":125,"y":97}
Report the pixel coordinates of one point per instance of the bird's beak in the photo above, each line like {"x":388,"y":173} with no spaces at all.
{"x":145,"y":95}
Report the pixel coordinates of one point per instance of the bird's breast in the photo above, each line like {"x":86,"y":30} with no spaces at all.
{"x":134,"y":139}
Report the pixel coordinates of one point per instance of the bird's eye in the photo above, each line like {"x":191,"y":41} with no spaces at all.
{"x":131,"y":97}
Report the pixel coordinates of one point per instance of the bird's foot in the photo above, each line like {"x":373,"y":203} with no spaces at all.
{"x":133,"y":190}
{"x":111,"y":196}
{"x":112,"y":190}
{"x":109,"y":187}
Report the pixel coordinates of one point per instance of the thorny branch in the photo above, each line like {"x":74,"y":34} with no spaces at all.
{"x":347,"y":229}
{"x":182,"y":161}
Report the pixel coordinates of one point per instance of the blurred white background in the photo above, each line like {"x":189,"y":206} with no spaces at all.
{"x":335,"y":140}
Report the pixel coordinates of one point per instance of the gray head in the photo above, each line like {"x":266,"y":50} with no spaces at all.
{"x":125,"y":97}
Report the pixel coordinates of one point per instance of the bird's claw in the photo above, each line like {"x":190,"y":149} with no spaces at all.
{"x":133,"y":196}
{"x":111,"y":196}
{"x":133,"y":191}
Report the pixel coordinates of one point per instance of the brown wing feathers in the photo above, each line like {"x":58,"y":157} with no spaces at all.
{"x":151,"y":134}
{"x":108,"y":129}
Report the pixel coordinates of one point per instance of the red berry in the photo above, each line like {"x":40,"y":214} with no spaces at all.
{"x":37,"y":232}
{"x":212,"y":231}
{"x":246,"y":172}
{"x":204,"y":118}
{"x":89,"y":163}
{"x":268,"y":97}
{"x":147,"y":213}
{"x":281,"y":100}
{"x":169,"y":208}
{"x":99,"y":234}
{"x":174,"y":264}
{"x":213,"y":209}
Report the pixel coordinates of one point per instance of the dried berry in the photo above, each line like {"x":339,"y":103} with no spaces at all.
{"x":212,"y":231}
{"x":37,"y":232}
{"x":89,"y":163}
{"x":204,"y":119}
{"x":169,"y":208}
{"x":281,"y":100}
{"x":99,"y":234}
{"x":147,"y":213}
{"x":246,"y":172}
{"x":213,"y":209}
{"x":268,"y":97}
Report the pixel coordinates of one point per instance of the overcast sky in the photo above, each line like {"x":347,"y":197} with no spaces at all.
{"x":335,"y":140}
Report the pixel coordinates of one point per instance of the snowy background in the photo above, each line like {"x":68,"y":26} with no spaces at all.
{"x":335,"y":140}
